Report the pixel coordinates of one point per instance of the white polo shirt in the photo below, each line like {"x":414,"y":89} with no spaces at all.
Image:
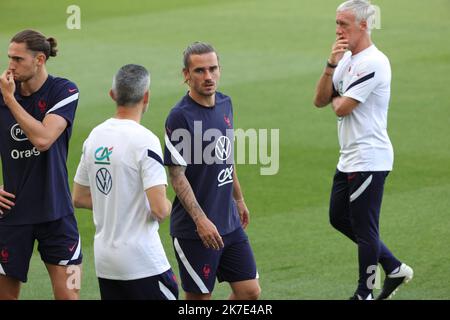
{"x":363,"y":137}
{"x":120,"y":160}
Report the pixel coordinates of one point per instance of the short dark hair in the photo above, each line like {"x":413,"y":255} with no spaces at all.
{"x":130,"y":84}
{"x":197,"y":48}
{"x":37,"y":42}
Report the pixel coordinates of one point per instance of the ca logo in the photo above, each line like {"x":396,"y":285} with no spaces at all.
{"x":102,"y":155}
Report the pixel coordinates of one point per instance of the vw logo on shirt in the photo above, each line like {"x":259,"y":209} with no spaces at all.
{"x":223,"y":148}
{"x":103,"y":180}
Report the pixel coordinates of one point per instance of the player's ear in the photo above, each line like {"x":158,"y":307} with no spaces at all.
{"x":41,"y":58}
{"x":147,"y":97}
{"x":186,"y":75}
{"x":111,"y":94}
{"x":363,"y":25}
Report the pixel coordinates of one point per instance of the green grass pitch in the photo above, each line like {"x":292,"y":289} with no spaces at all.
{"x":272,"y":53}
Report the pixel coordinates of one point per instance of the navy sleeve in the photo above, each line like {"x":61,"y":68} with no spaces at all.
{"x":64,"y":100}
{"x":176,"y":147}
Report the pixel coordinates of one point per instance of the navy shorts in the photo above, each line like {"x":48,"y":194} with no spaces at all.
{"x":58,"y":244}
{"x":160,"y":287}
{"x":200,"y":266}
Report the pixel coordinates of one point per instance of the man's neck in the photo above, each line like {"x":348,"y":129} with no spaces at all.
{"x":129,"y":113}
{"x":206,"y":101}
{"x":365,"y":43}
{"x":29,"y":87}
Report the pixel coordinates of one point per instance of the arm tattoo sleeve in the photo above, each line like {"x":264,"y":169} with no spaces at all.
{"x":184,"y":192}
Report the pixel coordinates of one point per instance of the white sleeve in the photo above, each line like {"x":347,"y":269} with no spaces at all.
{"x":152,"y":166}
{"x":364,"y":81}
{"x":82,"y":175}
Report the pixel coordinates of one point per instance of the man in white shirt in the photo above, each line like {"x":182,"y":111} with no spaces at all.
{"x":121,"y":177}
{"x":356,"y":81}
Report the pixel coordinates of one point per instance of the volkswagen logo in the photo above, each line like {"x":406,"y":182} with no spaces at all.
{"x":103,"y":180}
{"x":223,"y":148}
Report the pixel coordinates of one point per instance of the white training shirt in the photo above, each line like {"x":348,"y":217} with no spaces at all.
{"x":120,"y":160}
{"x":363,"y":137}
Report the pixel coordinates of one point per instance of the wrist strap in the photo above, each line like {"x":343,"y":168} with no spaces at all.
{"x":332,"y":66}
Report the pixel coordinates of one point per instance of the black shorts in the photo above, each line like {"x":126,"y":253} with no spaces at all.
{"x":58,"y":244}
{"x":200,"y":266}
{"x":160,"y":287}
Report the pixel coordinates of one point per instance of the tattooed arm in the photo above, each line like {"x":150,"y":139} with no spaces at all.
{"x":206,"y":230}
